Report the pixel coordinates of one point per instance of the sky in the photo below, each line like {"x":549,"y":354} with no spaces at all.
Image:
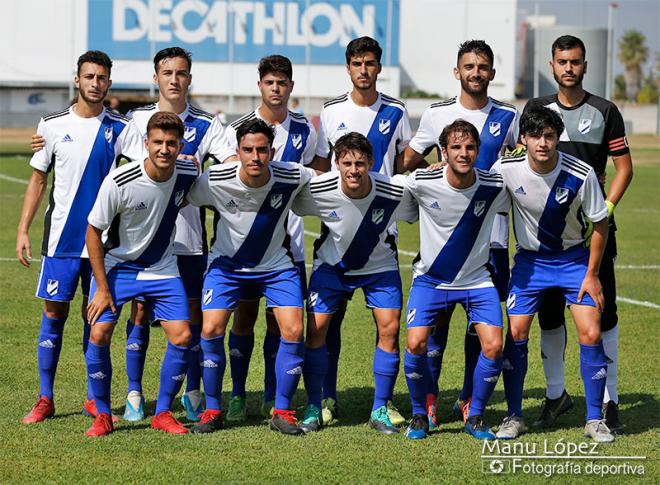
{"x":642,"y":15}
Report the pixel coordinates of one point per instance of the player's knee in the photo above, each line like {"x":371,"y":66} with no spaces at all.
{"x":492,"y":349}
{"x":417,"y":344}
{"x":181,"y":338}
{"x":388,"y":335}
{"x":101,"y":334}
{"x":590,"y":335}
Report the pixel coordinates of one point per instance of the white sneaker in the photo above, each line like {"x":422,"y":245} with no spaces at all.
{"x":511,"y":428}
{"x":134,"y":406}
{"x":597,"y":430}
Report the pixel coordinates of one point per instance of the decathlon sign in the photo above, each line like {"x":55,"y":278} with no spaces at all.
{"x":242,"y":31}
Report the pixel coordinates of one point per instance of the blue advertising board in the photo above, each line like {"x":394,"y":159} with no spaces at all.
{"x":242,"y":31}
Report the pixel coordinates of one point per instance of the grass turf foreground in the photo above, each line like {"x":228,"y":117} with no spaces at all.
{"x":57,"y":452}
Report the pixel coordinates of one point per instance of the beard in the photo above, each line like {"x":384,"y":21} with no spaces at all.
{"x":83,"y":95}
{"x":563,"y":84}
{"x":465,"y":86}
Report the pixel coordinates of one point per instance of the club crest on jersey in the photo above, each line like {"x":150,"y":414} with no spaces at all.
{"x":384,"y":126}
{"x":296,"y":141}
{"x":276,"y":201}
{"x":495,"y":128}
{"x":377,"y":215}
{"x":190,"y":134}
{"x":479,"y":207}
{"x":511,"y":301}
{"x":208,"y":296}
{"x":584,"y":126}
{"x":312,"y":299}
{"x":411,"y":315}
{"x":561,"y":195}
{"x":52,"y":287}
{"x":178,"y":197}
{"x":108,"y":134}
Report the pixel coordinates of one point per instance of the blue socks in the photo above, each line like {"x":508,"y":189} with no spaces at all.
{"x":514,"y":369}
{"x":99,"y":369}
{"x":486,"y":375}
{"x":333,"y":345}
{"x":137,"y":342}
{"x":172,"y":374}
{"x":288,"y":369}
{"x":48,"y":352}
{"x":270,"y":348}
{"x":593,"y":368}
{"x":87,"y":330}
{"x":213,"y":370}
{"x":386,"y":368}
{"x":240,"y":353}
{"x":316,"y":365}
{"x":472,"y":348}
{"x":194,"y":359}
{"x":436,"y":345}
{"x":416,"y":370}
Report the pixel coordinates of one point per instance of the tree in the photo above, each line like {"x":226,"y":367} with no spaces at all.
{"x":620,"y":88}
{"x":632,"y":54}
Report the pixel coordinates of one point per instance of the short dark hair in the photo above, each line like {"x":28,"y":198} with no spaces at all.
{"x":170,"y":52}
{"x":459,"y":126}
{"x":538,"y":118}
{"x":166,"y":121}
{"x":95,"y":57}
{"x":362,"y":45}
{"x":566,"y":42}
{"x":478,"y":47}
{"x":275,"y":64}
{"x":353,"y":142}
{"x":253,"y":127}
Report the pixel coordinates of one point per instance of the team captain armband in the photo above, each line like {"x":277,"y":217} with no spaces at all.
{"x":618,"y":146}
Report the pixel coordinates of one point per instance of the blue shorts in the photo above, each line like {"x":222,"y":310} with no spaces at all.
{"x":192,"y":269}
{"x":223,"y":288}
{"x":329,"y":287}
{"x":425,"y":302}
{"x":58,"y":278}
{"x":166,"y":298}
{"x":534,"y":273}
{"x":253,"y":292}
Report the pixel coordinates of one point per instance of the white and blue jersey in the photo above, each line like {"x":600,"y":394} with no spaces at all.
{"x":550,"y":210}
{"x":139,"y":216}
{"x":354,"y":239}
{"x":204,"y":137}
{"x":80,"y":152}
{"x":455,"y":227}
{"x":251,"y":231}
{"x":295,"y":141}
{"x":385,"y":124}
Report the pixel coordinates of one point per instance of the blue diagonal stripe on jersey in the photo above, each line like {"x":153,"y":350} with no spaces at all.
{"x":491,"y":145}
{"x":367,"y":236}
{"x":201,"y":126}
{"x":101,"y":160}
{"x":379,"y":141}
{"x":258,"y":239}
{"x":291,"y":153}
{"x":458,"y":247}
{"x":553,"y":219}
{"x":161,"y":240}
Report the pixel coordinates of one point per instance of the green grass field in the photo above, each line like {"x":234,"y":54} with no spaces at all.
{"x":57,"y":452}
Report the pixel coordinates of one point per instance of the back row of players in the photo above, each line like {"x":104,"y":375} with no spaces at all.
{"x":252,"y":253}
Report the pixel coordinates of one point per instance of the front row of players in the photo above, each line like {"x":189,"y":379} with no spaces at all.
{"x":554,"y":198}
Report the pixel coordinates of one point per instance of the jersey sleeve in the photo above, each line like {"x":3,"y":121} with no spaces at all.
{"x":200,"y":192}
{"x":304,"y":204}
{"x":615,"y":133}
{"x":593,"y":202}
{"x":322,"y":142}
{"x":230,"y":139}
{"x":425,"y":138}
{"x":310,"y":147}
{"x":405,"y":133}
{"x":503,"y":201}
{"x":408,"y":209}
{"x":107,"y":205}
{"x":215,"y":143}
{"x":132,"y":143}
{"x":41,"y":159}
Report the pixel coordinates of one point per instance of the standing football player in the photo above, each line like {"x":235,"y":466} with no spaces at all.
{"x":81,"y":144}
{"x":593,"y":132}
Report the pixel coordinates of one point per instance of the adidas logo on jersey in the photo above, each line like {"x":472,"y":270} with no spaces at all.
{"x":208,"y":296}
{"x":296,"y":371}
{"x":491,"y":379}
{"x":231,"y":206}
{"x":601,"y":374}
{"x":140,"y":207}
{"x":47,"y":344}
{"x":52,"y":287}
{"x":209,"y":364}
{"x":179,"y":378}
{"x":520,"y":191}
{"x":415,"y":376}
{"x":134,"y":347}
{"x":98,"y":376}
{"x":67,"y":137}
{"x":435,"y":205}
{"x":334,"y":216}
{"x":235,"y":353}
{"x":341,"y":126}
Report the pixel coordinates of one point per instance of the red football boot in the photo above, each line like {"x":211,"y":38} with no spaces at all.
{"x":166,"y":421}
{"x":89,"y":409}
{"x":43,"y":409}
{"x":101,"y":426}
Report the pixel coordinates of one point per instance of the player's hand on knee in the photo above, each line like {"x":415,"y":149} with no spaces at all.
{"x":591,"y":285}
{"x":24,"y":249}
{"x":96,"y":307}
{"x":37,"y":142}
